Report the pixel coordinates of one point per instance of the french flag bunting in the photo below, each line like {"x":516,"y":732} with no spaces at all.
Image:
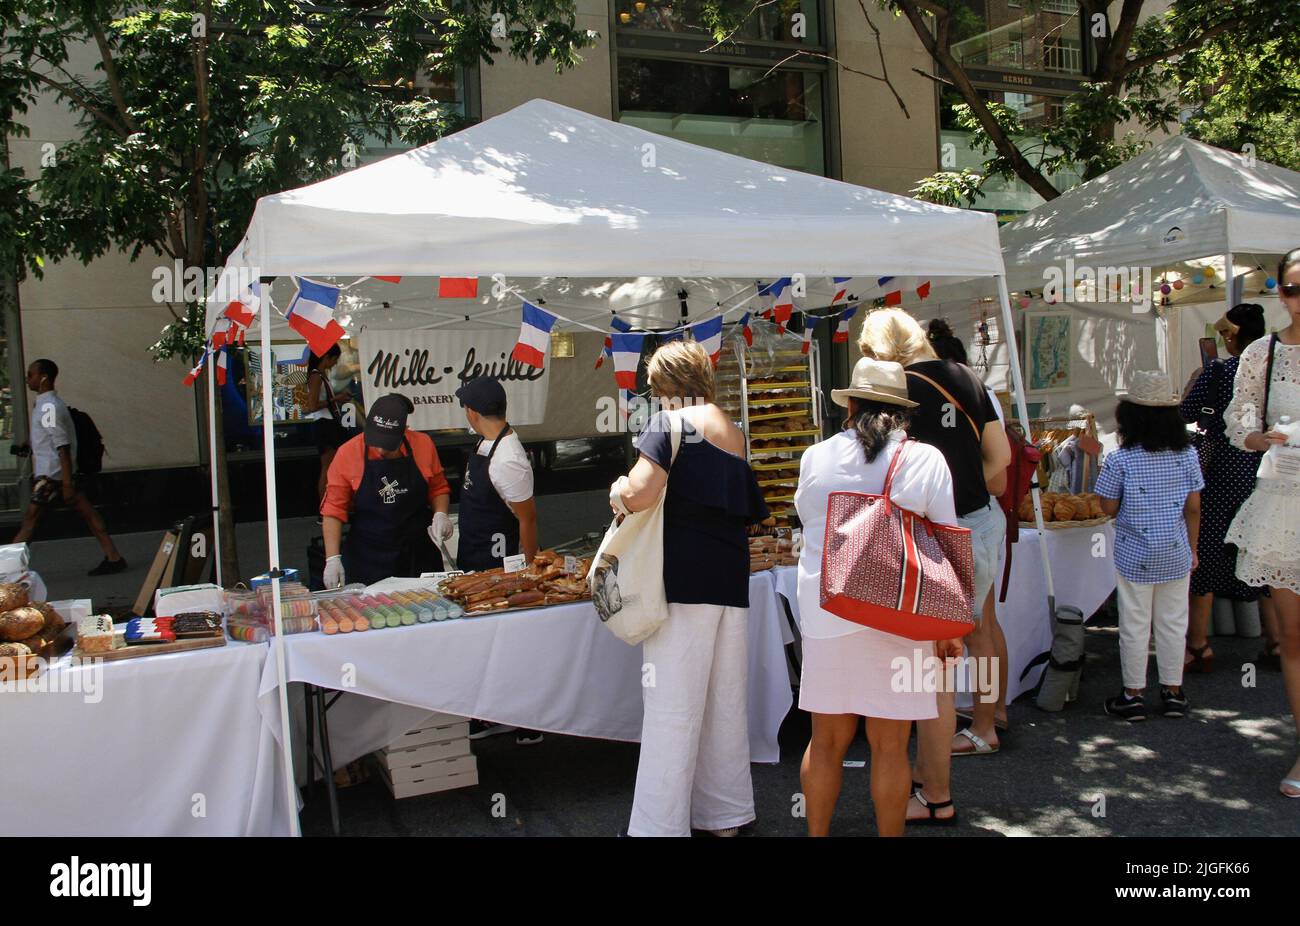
{"x":221,"y":332}
{"x":923,"y":290}
{"x":774,"y":289}
{"x":243,"y":309}
{"x":894,"y":298}
{"x":781,"y":314}
{"x":193,"y":374}
{"x":841,"y":335}
{"x":388,"y":279}
{"x":627,"y":358}
{"x":534,"y":336}
{"x":221,"y":366}
{"x":311,"y":314}
{"x":746,"y":331}
{"x":841,"y":290}
{"x":457,"y":287}
{"x":709,"y":335}
{"x":675,"y":335}
{"x":809,"y":323}
{"x":617,"y":324}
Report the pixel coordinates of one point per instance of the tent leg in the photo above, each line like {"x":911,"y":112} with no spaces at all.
{"x":273,"y":554}
{"x":212,"y":466}
{"x":1229,"y":283}
{"x":1018,"y":386}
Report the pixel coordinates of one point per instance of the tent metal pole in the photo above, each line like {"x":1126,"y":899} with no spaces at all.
{"x":1229,"y":282}
{"x":1018,"y":386}
{"x":273,"y":554}
{"x":212,"y":465}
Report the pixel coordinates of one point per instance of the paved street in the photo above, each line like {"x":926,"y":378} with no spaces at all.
{"x":1214,"y":773}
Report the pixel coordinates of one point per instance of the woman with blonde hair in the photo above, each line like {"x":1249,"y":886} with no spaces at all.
{"x":955,"y":414}
{"x":694,"y":767}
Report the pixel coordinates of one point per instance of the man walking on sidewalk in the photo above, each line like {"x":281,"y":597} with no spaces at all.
{"x":53,"y":447}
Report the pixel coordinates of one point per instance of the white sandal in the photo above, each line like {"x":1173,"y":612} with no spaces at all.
{"x":982,"y":748}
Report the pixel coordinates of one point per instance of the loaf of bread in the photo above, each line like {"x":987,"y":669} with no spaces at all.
{"x":20,"y":623}
{"x":15,"y":649}
{"x":12,"y":595}
{"x":54,"y":621}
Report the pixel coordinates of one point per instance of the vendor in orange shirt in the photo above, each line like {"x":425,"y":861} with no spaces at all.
{"x":387,"y":482}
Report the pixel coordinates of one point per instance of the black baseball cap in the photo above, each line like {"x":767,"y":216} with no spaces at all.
{"x":386,"y":423}
{"x":483,"y":394}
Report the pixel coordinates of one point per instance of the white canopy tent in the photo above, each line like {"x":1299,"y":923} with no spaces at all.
{"x":1180,"y":209}
{"x":597,"y":214}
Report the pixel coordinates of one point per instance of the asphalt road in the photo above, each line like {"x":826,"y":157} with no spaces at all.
{"x":1214,"y":773}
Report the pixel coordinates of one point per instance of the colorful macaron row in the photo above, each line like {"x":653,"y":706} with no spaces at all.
{"x":377,"y":611}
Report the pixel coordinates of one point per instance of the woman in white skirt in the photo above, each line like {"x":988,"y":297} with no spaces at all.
{"x":1266,"y":531}
{"x":851,"y":671}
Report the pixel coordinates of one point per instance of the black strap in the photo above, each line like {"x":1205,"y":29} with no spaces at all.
{"x":1268,"y":381}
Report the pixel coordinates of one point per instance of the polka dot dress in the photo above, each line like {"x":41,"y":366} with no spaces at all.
{"x":1229,"y":480}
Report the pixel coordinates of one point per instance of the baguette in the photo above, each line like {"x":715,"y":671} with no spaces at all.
{"x":525,"y":599}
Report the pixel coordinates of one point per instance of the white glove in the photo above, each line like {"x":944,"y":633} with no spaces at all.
{"x":441,"y":528}
{"x":616,"y":491}
{"x":334,"y":577}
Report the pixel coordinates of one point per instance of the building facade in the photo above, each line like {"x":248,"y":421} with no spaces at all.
{"x":788,"y":88}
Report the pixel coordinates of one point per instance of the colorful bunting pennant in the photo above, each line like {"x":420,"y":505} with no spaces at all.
{"x":457,"y":287}
{"x":709,"y":335}
{"x":311,"y":314}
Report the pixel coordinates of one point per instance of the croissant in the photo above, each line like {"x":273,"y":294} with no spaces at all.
{"x":1094,"y":508}
{"x":1063,"y":511}
{"x":1026,"y":509}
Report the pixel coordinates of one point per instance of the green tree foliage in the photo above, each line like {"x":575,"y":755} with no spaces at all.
{"x":195,"y":108}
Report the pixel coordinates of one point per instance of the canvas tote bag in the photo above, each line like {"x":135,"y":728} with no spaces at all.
{"x":627,"y":575}
{"x":891,"y":569}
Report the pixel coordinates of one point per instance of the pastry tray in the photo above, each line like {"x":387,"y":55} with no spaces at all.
{"x":777,"y":435}
{"x":1064,"y":525}
{"x":767,"y":451}
{"x":777,"y":387}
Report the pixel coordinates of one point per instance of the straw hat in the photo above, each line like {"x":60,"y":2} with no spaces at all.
{"x":878,"y":380}
{"x":1150,"y":387}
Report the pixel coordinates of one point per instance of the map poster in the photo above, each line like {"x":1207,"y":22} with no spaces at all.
{"x":1049,"y":348}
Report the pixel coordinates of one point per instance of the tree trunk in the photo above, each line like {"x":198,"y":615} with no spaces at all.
{"x":962,"y":83}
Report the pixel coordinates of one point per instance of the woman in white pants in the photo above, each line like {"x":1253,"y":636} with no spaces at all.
{"x":694,"y":768}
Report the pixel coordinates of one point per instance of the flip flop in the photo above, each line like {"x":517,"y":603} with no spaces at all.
{"x":982,"y":748}
{"x":931,"y":807}
{"x":999,"y":723}
{"x":1290,"y":783}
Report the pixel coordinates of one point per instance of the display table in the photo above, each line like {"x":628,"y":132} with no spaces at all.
{"x":161,"y":745}
{"x":553,"y":669}
{"x":1082,"y":580}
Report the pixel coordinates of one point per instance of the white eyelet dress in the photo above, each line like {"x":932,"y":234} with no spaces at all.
{"x":1266,"y":530}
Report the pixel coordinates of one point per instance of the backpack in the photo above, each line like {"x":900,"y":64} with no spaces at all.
{"x":1021,"y":474}
{"x":90,"y":443}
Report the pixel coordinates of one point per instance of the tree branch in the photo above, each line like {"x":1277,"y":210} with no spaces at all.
{"x":112,"y":76}
{"x":884,"y":69}
{"x":69,"y":91}
{"x":1001,"y":143}
{"x":1135,"y":64}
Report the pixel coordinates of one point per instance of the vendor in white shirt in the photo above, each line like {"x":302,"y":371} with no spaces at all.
{"x":497,"y":514}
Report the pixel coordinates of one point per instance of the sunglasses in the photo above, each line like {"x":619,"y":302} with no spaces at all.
{"x":1290,"y":290}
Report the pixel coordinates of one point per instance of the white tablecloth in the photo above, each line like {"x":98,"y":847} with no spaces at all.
{"x":1082,"y":580}
{"x":554,"y":669}
{"x":168,"y":745}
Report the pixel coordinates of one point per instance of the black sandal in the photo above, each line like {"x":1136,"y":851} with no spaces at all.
{"x":932,"y":806}
{"x":1201,"y":664}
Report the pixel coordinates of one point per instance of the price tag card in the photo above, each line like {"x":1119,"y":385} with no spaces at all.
{"x":516,"y":563}
{"x":441,"y":576}
{"x":570,"y":564}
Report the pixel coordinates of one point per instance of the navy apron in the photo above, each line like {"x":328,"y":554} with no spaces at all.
{"x":484,"y":515}
{"x":389,"y":531}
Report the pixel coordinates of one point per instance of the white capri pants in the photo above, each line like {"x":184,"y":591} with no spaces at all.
{"x":1161,"y":607}
{"x":694,"y":766}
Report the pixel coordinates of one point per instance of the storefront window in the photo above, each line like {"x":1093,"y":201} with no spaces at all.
{"x":793,"y":21}
{"x":1033,"y":35}
{"x":772,"y":116}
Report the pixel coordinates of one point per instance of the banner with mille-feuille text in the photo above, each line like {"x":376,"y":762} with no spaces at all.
{"x":429,"y":366}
